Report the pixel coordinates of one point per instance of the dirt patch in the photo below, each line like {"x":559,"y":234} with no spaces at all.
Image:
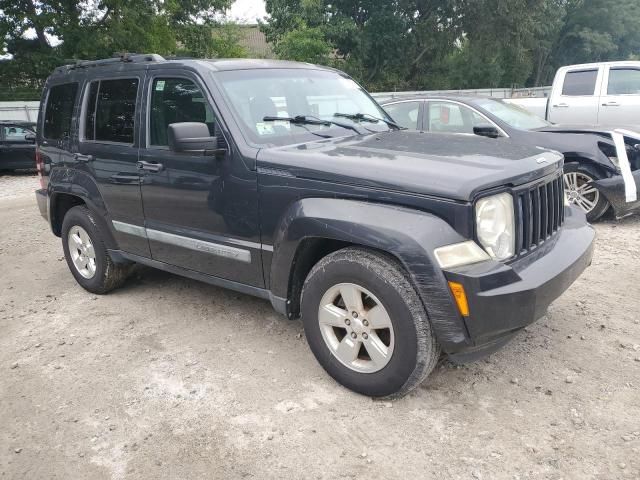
{"x":171,"y":378}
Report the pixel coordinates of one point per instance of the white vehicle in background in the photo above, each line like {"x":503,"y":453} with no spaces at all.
{"x":594,"y":94}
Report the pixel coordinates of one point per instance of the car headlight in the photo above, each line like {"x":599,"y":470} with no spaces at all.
{"x":495,"y":225}
{"x":615,"y":162}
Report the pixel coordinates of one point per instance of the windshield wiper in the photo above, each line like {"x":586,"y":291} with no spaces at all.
{"x":308,"y":120}
{"x":365,"y":117}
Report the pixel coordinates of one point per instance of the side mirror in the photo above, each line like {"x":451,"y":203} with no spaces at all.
{"x":192,"y":137}
{"x":486,"y":131}
{"x":30,"y":137}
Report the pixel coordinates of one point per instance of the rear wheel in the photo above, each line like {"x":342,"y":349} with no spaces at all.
{"x":366,"y":324}
{"x":580,"y":191}
{"x":87,"y":255}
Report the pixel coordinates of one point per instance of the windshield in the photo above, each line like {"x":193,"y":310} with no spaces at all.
{"x":312,"y":94}
{"x":512,"y":115}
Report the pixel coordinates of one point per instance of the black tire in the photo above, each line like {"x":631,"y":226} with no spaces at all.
{"x":416,"y":350}
{"x":108,"y":275}
{"x":602,"y":205}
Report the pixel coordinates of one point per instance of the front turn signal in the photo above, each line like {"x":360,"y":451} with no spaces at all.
{"x":461,"y":298}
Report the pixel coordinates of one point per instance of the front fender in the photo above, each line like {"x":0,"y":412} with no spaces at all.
{"x":408,"y":235}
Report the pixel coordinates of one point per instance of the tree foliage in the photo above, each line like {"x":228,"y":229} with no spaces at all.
{"x":413,"y":44}
{"x":41,"y":34}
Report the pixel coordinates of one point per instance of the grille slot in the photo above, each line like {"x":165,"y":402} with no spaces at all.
{"x":540,"y":213}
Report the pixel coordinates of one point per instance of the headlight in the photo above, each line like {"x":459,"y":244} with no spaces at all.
{"x":458,"y":254}
{"x":615,"y":162}
{"x":495,"y":225}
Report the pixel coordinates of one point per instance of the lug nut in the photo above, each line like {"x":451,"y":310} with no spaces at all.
{"x":354,"y":335}
{"x":365,"y":323}
{"x":347,"y":321}
{"x":354,"y":314}
{"x":365,"y":336}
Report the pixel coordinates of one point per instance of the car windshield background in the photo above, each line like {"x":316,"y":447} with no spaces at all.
{"x":624,"y":81}
{"x":318,"y":94}
{"x":111,"y":107}
{"x":513,"y":115}
{"x":175,"y":100}
{"x":59,"y":111}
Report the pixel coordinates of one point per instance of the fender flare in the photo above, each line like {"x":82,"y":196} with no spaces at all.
{"x":410,"y":236}
{"x":82,"y":186}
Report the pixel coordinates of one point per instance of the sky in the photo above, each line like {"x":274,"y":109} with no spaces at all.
{"x":247,"y":11}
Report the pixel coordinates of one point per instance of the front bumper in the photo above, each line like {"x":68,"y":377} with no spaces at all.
{"x":505,"y":298}
{"x":613,"y":189}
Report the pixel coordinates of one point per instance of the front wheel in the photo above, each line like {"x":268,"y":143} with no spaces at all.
{"x":366,"y":324}
{"x":580,"y":191}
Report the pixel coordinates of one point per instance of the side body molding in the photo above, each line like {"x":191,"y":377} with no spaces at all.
{"x":408,"y":235}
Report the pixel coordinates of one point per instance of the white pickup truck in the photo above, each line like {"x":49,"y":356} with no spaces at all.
{"x":594,"y":94}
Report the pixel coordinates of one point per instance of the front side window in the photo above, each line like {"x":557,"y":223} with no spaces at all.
{"x":59,"y":111}
{"x":310,"y":93}
{"x":111,"y":109}
{"x":448,"y":117}
{"x":624,"y":81}
{"x":14,"y":134}
{"x":175,"y":100}
{"x":580,"y":83}
{"x":404,"y":113}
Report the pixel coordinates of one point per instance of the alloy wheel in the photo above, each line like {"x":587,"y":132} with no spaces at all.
{"x":82,"y":253}
{"x":580,"y":191}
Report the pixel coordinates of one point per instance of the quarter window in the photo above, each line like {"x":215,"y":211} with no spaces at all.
{"x":624,"y":81}
{"x":404,"y":113}
{"x":111,"y":109}
{"x":175,"y":100}
{"x":59,"y":111}
{"x":580,"y":83}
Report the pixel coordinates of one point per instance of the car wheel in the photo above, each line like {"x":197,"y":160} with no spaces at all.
{"x":87,"y":255}
{"x":581,"y":192}
{"x":366,"y":324}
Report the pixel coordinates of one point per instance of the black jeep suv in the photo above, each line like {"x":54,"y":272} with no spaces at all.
{"x":287,"y":181}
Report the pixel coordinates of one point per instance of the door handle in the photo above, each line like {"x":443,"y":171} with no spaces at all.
{"x":560,"y":105}
{"x":78,"y":157}
{"x":153,"y":167}
{"x":124,"y":179}
{"x":611,"y":104}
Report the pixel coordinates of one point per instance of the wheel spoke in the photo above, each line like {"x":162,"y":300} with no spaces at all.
{"x":352,"y":297}
{"x":332,"y":316}
{"x":90,"y":251}
{"x":567,"y":180}
{"x":377,"y":350}
{"x":76,"y":239}
{"x":378,"y":318}
{"x":348,"y":350}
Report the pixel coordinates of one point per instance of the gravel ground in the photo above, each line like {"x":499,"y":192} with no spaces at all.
{"x":171,"y":378}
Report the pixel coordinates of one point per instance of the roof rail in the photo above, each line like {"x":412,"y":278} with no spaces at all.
{"x":119,"y":58}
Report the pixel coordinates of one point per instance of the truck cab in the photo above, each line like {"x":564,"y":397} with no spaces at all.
{"x":596,"y":94}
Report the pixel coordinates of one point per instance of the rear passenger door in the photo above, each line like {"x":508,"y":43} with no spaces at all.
{"x":579,"y":100}
{"x":108,"y":150}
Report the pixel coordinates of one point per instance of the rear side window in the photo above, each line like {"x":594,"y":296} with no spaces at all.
{"x":111,"y":110}
{"x":624,"y":81}
{"x":59,"y":111}
{"x":580,"y":83}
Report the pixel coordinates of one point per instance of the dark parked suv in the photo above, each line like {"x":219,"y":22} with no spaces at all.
{"x":287,"y":181}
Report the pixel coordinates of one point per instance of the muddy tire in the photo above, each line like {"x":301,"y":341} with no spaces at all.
{"x":366,"y":324}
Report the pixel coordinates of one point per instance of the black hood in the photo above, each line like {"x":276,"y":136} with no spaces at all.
{"x":448,"y":166}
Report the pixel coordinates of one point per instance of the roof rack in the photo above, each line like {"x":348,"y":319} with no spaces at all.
{"x":119,"y":58}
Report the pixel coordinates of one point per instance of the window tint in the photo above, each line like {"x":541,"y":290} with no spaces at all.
{"x":580,"y":83}
{"x":175,"y":100}
{"x":59,"y":110}
{"x":15,"y":134}
{"x":111,"y":108}
{"x":624,"y":81}
{"x":453,"y":118}
{"x":404,"y":113}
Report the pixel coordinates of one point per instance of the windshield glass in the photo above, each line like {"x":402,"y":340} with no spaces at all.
{"x":513,"y":115}
{"x":313,"y":94}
